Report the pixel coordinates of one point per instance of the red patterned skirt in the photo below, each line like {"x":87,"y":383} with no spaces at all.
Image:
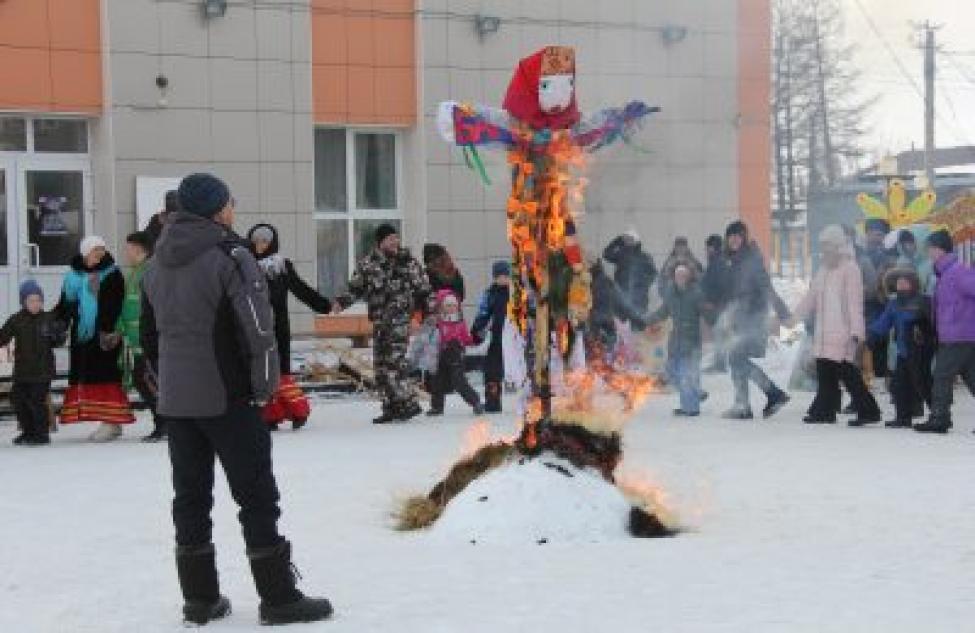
{"x":103,"y":402}
{"x":289,"y":403}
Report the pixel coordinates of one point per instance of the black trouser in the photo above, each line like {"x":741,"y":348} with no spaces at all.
{"x":450,"y":376}
{"x":878,"y":350}
{"x":241,"y":441}
{"x":147,"y":391}
{"x":29,"y":400}
{"x":829,"y":375}
{"x":911,"y":385}
{"x":951,"y":361}
{"x":493,"y":375}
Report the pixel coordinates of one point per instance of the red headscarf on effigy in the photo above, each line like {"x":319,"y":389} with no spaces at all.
{"x":521,"y":100}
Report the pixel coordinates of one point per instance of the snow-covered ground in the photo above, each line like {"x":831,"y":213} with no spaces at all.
{"x":792,"y":528}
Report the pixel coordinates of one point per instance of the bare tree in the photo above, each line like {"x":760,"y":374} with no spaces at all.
{"x":818,"y":113}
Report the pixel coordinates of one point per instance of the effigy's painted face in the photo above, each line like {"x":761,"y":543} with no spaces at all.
{"x":555,"y":92}
{"x":556,"y":85}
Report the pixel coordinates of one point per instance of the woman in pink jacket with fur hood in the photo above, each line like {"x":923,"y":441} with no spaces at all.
{"x":835,"y":303}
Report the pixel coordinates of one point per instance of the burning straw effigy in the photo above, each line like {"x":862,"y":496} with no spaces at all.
{"x":575,"y":424}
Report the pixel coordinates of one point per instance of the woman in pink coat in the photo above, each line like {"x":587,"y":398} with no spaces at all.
{"x":835,"y":302}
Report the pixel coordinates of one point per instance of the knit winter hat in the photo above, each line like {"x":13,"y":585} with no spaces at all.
{"x":877,"y":224}
{"x":90,"y":243}
{"x":30,"y":288}
{"x":941,"y":239}
{"x":384,"y":231}
{"x":501,"y":267}
{"x":204,"y":195}
{"x":736,"y":228}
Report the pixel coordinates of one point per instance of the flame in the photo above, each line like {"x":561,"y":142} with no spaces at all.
{"x":645,"y":494}
{"x":475,"y":438}
{"x":601,"y":399}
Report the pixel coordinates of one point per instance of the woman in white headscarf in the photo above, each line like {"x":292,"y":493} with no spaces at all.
{"x":91,"y":303}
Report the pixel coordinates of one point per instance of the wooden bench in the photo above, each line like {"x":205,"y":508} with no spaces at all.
{"x":351,"y":326}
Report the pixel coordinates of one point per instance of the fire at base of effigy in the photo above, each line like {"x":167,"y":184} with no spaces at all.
{"x":556,"y":480}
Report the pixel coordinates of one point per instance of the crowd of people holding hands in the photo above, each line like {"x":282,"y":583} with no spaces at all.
{"x":898,"y":314}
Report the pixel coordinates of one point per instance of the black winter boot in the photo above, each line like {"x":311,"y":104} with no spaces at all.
{"x":776,"y":400}
{"x":492,"y":397}
{"x":934,"y":425}
{"x":197,"y":570}
{"x":281,"y":602}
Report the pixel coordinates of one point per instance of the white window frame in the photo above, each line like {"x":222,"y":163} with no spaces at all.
{"x":352,"y":212}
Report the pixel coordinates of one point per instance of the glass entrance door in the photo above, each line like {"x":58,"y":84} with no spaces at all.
{"x":8,"y":238}
{"x":51,"y":220}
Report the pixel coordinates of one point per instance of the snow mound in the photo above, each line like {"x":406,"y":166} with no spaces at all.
{"x":540,"y":500}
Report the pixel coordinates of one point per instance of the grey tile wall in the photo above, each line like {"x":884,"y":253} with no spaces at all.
{"x":238,"y":104}
{"x":687,"y":181}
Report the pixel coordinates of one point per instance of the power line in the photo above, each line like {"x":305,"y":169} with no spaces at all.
{"x":890,"y":49}
{"x":900,"y":65}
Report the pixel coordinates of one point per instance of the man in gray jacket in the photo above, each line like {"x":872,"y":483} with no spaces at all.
{"x":208,"y":333}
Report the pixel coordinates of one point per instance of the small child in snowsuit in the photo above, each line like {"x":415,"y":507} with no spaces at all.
{"x":685,"y":305}
{"x":909,"y":315}
{"x":452,"y":338}
{"x":136,"y":373}
{"x":493,"y":312}
{"x":35,"y":333}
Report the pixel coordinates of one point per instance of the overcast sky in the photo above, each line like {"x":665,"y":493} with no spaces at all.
{"x":898,"y":118}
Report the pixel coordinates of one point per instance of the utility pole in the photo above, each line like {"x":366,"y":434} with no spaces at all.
{"x":930,"y":73}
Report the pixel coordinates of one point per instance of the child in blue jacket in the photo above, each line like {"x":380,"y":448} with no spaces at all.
{"x":908,"y":314}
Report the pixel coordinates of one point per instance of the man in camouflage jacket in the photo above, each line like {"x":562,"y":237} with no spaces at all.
{"x":392,"y":282}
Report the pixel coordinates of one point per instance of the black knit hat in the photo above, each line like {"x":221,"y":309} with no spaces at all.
{"x":736,"y":228}
{"x":877,"y":224}
{"x":384,"y":231}
{"x":203,"y":194}
{"x":941,"y":239}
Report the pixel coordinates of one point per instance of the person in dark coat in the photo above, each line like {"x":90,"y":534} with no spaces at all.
{"x":492,"y":312}
{"x":712,"y":286}
{"x":681,"y":254}
{"x":909,"y":315}
{"x":749,"y":296}
{"x":441,"y":271}
{"x":207,"y":331}
{"x":685,"y":305}
{"x":35,"y":333}
{"x":635,"y":272}
{"x":608,"y":305}
{"x":91,"y":302}
{"x":157,"y":222}
{"x":289,"y":402}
